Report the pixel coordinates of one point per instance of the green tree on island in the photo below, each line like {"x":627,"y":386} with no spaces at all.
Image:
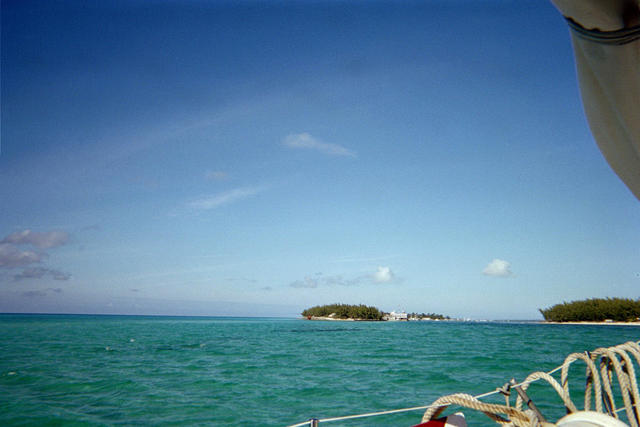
{"x":432,"y":316}
{"x":595,"y":310}
{"x":344,"y":311}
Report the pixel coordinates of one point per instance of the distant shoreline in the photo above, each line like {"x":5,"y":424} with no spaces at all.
{"x":349,"y":319}
{"x":593,"y":323}
{"x":333,"y":319}
{"x":586,"y":323}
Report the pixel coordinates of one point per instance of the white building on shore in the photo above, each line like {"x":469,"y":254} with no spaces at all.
{"x":395,"y":316}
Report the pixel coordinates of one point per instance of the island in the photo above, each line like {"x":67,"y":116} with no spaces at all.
{"x":363,"y":312}
{"x":342,"y":312}
{"x":601,"y":310}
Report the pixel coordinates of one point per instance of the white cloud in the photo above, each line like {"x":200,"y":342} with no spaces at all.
{"x":49,"y":239}
{"x":498,"y":268}
{"x":11,"y":256}
{"x":306,"y":141}
{"x":383,"y":275}
{"x":216,"y":175}
{"x":221,"y":199}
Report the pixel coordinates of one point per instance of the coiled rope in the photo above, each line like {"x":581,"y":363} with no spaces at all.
{"x":614,"y":359}
{"x":598,"y":382}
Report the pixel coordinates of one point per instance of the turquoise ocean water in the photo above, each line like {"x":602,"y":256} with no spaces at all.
{"x":126,"y":370}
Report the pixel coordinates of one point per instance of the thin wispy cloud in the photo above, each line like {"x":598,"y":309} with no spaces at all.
{"x":306,"y":141}
{"x":216,"y":175}
{"x":92,"y":227}
{"x":498,"y":268}
{"x":49,"y":239}
{"x":221,"y":199}
{"x":12,"y":256}
{"x":381,"y":275}
{"x":41,"y":293}
{"x":32,"y":294}
{"x":320,"y":280}
{"x":40,"y":272}
{"x":356,"y":259}
{"x":307,"y":282}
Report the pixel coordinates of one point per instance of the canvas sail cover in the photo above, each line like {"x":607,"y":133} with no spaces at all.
{"x":606,"y":41}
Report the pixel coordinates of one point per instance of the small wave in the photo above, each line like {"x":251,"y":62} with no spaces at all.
{"x":196,"y":345}
{"x":315,"y":331}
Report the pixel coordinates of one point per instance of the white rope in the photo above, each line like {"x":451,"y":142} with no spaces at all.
{"x":609,"y":363}
{"x":622,"y":409}
{"x":525,"y":383}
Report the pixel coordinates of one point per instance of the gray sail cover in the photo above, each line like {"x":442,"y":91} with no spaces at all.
{"x":606,"y":41}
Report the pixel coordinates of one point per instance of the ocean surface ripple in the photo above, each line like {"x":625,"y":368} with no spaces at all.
{"x":126,"y":370}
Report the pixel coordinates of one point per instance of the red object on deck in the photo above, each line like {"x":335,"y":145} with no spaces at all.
{"x":455,"y":420}
{"x":440,"y":422}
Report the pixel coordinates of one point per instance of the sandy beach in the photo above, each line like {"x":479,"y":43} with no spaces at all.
{"x":594,"y":323}
{"x":333,"y":319}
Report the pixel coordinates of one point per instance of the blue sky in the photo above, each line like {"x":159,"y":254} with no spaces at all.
{"x":256,"y":158}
